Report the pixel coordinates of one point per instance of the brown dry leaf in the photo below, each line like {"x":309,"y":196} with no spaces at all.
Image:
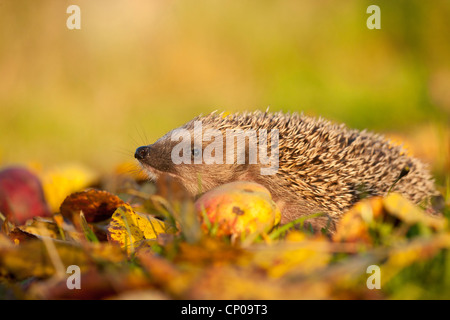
{"x":96,"y":205}
{"x":129,"y":228}
{"x":37,"y":225}
{"x":44,"y":227}
{"x":18,"y":236}
{"x":164,"y":274}
{"x":93,"y":285}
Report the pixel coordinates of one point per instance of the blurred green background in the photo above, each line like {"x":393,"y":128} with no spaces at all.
{"x":137,"y":69}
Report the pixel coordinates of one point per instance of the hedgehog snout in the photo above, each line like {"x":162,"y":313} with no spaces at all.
{"x":142,"y":153}
{"x":153,"y":156}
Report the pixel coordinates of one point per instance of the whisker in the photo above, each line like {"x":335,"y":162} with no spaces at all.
{"x":142,"y":135}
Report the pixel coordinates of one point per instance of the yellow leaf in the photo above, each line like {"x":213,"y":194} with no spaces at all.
{"x":128,"y":228}
{"x":299,"y":255}
{"x":410,"y":214}
{"x":354,"y":224}
{"x":58,"y":182}
{"x":384,"y":219}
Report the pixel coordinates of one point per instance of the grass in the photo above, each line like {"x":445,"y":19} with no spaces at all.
{"x":78,"y":96}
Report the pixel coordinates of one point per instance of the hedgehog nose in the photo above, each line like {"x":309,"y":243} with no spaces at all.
{"x":142,"y":152}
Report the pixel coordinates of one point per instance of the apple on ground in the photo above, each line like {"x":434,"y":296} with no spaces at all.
{"x":21,"y":195}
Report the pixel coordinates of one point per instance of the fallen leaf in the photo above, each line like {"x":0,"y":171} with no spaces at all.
{"x":404,"y":210}
{"x":382,"y":220}
{"x":94,"y":284}
{"x":32,"y":259}
{"x":354,"y":224}
{"x":299,"y":254}
{"x":129,"y":228}
{"x":60,"y":181}
{"x":96,"y":205}
{"x":165,"y":274}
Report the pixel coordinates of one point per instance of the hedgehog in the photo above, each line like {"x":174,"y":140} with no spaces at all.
{"x":322,"y":166}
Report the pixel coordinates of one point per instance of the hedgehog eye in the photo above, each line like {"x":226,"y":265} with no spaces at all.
{"x":195,"y":152}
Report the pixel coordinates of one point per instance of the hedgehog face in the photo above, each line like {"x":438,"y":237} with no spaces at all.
{"x":155,"y":159}
{"x":185,"y":159}
{"x":203,"y":157}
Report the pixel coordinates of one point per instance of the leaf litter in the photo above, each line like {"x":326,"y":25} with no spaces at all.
{"x":156,"y":245}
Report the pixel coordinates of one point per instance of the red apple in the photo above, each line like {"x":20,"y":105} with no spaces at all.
{"x":238,"y":208}
{"x":21,"y":195}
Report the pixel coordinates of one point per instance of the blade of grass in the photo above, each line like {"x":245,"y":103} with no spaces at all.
{"x":88,"y":233}
{"x":59,"y":223}
{"x":277,"y":232}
